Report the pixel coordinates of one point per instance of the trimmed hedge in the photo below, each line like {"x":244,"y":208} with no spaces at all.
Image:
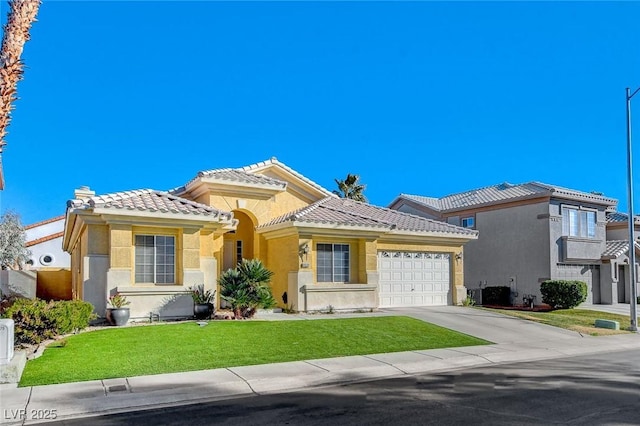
{"x":37,"y":320}
{"x":499,"y":295}
{"x":561,"y":294}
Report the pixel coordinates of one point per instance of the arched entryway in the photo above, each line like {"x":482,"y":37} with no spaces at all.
{"x":239,"y":244}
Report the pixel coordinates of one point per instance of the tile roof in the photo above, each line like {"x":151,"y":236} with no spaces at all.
{"x":44,"y":222}
{"x":248,"y":175}
{"x":504,"y":192}
{"x":344,"y":212}
{"x":274,"y":161}
{"x":149,"y":200}
{"x":45,"y":238}
{"x":616,"y":248}
{"x":617,"y":217}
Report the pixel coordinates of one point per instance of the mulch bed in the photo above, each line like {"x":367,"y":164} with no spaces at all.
{"x":537,"y":308}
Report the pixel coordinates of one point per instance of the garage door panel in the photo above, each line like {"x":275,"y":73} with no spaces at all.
{"x":413,"y":279}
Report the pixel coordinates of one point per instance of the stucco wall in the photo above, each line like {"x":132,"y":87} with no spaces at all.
{"x":621,"y":232}
{"x":282,"y":258}
{"x":512,"y":249}
{"x":53,"y":248}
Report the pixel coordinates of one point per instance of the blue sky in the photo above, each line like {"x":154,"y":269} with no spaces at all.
{"x":418,"y":97}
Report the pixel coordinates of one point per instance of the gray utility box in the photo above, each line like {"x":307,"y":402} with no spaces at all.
{"x":6,"y":341}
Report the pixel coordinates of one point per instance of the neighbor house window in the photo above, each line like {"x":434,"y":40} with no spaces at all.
{"x":155,"y":259}
{"x":333,"y":263}
{"x":468,"y":222}
{"x":578,"y":223}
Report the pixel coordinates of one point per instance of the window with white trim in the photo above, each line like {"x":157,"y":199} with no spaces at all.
{"x":468,"y":222}
{"x":578,"y":223}
{"x":155,"y":259}
{"x":332,"y":263}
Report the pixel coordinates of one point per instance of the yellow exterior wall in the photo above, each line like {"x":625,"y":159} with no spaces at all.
{"x":245,"y":232}
{"x":121,"y":246}
{"x":263,"y":210}
{"x":283,"y":258}
{"x":97,"y":239}
{"x":54,"y":284}
{"x":355,"y":272}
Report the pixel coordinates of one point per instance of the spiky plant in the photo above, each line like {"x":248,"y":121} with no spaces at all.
{"x":247,"y":288}
{"x":22,"y":13}
{"x":351,"y":188}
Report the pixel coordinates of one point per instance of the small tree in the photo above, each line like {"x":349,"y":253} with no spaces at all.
{"x":247,"y":288}
{"x":351,"y":188}
{"x":13,"y":251}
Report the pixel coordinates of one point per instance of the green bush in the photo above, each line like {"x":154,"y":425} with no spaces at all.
{"x":37,"y":320}
{"x":499,"y":295}
{"x":560,"y":294}
{"x":247,"y":288}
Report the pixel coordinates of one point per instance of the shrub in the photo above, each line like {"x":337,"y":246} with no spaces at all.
{"x":247,"y":288}
{"x":560,"y":294}
{"x":37,"y":320}
{"x":468,"y":301}
{"x":499,"y":295}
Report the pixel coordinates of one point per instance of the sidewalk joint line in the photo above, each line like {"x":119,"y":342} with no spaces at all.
{"x":26,"y":407}
{"x":387,"y":363}
{"x":314,"y":365}
{"x":243,"y":379}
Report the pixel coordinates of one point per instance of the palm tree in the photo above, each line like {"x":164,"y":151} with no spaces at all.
{"x":351,"y":188}
{"x":22,"y":13}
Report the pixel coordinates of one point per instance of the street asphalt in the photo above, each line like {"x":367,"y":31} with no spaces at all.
{"x":515,"y":340}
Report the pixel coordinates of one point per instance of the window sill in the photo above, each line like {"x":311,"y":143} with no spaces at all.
{"x":152,"y":289}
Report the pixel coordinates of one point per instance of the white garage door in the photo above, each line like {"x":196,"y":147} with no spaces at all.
{"x":413,"y":278}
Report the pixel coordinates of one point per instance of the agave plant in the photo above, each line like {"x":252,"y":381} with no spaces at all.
{"x":246,"y":288}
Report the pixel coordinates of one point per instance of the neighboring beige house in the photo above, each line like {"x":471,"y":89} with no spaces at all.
{"x":533,"y":232}
{"x":151,"y":246}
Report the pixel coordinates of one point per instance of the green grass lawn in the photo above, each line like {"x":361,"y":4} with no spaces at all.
{"x":581,"y":320}
{"x":167,"y":348}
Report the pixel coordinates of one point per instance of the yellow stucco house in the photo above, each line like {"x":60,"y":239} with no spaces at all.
{"x":151,"y":246}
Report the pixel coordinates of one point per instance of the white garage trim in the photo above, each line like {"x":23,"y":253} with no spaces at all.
{"x":414,"y":279}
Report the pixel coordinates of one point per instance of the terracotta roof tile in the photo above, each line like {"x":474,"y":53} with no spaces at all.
{"x":249,"y":175}
{"x":149,"y":200}
{"x":505,"y":192}
{"x":616,"y":248}
{"x":617,"y":217}
{"x":44,"y":222}
{"x":344,"y":212}
{"x":45,"y":238}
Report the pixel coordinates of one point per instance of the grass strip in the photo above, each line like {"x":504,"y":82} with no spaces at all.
{"x":168,"y":348}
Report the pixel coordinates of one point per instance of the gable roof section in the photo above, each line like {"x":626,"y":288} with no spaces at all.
{"x":273,"y":161}
{"x":44,"y":222}
{"x":149,"y":200}
{"x":44,"y":239}
{"x":619,"y":217}
{"x":502,"y":193}
{"x":616,"y":248}
{"x":250,"y":176}
{"x":344,"y":212}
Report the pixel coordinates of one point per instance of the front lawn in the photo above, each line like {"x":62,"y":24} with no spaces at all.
{"x":168,"y":348}
{"x":580,"y":320}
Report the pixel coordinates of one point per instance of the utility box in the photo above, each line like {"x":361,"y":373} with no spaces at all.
{"x":6,"y":341}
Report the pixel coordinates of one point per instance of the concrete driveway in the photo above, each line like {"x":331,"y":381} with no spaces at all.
{"x":487,"y":325}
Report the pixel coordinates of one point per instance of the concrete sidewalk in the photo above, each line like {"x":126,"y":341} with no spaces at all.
{"x":41,"y":403}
